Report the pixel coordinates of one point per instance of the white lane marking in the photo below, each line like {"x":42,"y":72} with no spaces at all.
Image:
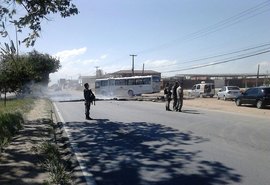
{"x":88,"y":176}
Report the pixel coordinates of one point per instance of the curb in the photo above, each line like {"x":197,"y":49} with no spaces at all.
{"x":80,"y":166}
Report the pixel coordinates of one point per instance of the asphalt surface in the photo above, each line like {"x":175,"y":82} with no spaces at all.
{"x":136,"y":142}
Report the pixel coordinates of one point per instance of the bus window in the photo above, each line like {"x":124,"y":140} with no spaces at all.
{"x":139,"y":81}
{"x":131,"y":82}
{"x":147,"y":81}
{"x":111,"y":82}
{"x":156,"y":79}
{"x":120,"y":82}
{"x":104,"y":83}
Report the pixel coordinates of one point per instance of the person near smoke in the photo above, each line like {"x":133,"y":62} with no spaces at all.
{"x":89,"y":98}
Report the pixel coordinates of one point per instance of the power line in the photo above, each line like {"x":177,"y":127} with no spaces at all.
{"x":216,"y":27}
{"x":217,"y":56}
{"x":216,"y":63}
{"x":232,"y":20}
{"x":235,"y":19}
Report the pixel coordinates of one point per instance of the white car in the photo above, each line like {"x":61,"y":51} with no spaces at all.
{"x":203,"y":90}
{"x":228,"y":92}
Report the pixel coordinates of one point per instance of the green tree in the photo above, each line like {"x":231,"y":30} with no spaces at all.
{"x":40,"y":65}
{"x":8,"y":68}
{"x":8,"y":76}
{"x":34,"y":12}
{"x":33,"y":67}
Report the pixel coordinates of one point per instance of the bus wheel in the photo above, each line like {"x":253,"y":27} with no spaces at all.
{"x":130,"y":93}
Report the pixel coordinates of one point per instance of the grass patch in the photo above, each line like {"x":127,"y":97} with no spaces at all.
{"x":53,"y":163}
{"x":11,"y":118}
{"x":51,"y":158}
{"x":10,"y":124}
{"x":16,"y":105}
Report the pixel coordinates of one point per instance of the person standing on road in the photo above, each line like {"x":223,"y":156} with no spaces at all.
{"x":89,"y":97}
{"x":174,"y":94}
{"x":180,"y":96}
{"x":168,"y":96}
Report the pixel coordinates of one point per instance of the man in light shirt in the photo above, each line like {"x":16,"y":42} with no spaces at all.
{"x":180,"y":95}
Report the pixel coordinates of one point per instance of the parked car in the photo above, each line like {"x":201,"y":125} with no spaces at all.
{"x":203,"y":90}
{"x":228,"y":92}
{"x":257,"y":96}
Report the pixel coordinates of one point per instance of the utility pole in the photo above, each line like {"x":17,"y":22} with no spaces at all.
{"x":258,"y":73}
{"x":132,"y":64}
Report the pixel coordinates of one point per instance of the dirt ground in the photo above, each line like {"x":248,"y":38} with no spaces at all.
{"x":218,"y":105}
{"x":228,"y":106}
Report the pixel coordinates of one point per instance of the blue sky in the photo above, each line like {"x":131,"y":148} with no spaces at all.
{"x":167,"y":36}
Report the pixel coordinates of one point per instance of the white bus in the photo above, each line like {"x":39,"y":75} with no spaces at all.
{"x":127,"y":86}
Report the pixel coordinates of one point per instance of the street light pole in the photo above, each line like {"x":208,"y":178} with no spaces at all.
{"x":133,"y":63}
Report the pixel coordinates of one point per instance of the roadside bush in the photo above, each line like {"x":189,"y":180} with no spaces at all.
{"x":10,"y":124}
{"x":11,"y":118}
{"x":52,"y":162}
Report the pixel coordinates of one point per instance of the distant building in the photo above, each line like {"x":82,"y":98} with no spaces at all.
{"x":99,"y":73}
{"x":87,"y":79}
{"x":61,"y":83}
{"x":240,"y":80}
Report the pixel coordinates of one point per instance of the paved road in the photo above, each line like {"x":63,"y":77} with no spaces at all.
{"x":139,"y":143}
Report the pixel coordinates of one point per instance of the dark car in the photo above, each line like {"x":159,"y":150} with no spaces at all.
{"x":257,"y":96}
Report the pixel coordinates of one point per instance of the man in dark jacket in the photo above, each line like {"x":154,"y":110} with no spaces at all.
{"x":89,"y":97}
{"x":174,"y":94}
{"x":168,"y":96}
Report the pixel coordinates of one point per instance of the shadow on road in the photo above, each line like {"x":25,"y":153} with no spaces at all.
{"x":140,"y":153}
{"x":191,"y":111}
{"x":19,"y":164}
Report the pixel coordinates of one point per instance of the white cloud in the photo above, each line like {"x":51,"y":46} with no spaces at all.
{"x":89,"y":61}
{"x":73,"y":66}
{"x":103,"y":57}
{"x":69,"y":54}
{"x":113,"y":68}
